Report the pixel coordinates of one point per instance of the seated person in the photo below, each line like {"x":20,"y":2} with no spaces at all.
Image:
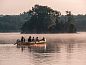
{"x":33,"y":39}
{"x":29,"y":39}
{"x":22,"y":39}
{"x":43,"y":39}
{"x":18,"y":40}
{"x":37,"y":39}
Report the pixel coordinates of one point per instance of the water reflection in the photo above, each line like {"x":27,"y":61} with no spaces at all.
{"x":39,"y":48}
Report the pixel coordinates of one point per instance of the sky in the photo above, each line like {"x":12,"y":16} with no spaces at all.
{"x":15,"y":7}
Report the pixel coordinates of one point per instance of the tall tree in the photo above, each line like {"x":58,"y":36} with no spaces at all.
{"x":42,"y":19}
{"x":70,"y":22}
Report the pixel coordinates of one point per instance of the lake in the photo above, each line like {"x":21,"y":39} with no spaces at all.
{"x":61,"y":49}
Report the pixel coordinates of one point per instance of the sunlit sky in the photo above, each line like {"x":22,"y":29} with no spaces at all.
{"x":11,"y":7}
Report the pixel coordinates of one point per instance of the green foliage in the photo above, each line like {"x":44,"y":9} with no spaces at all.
{"x":43,"y":19}
{"x":46,"y":20}
{"x":69,"y":25}
{"x":11,"y":23}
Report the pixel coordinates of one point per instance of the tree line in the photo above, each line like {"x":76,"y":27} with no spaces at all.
{"x":43,"y":19}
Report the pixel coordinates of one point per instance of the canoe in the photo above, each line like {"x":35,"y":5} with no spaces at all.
{"x":31,"y":43}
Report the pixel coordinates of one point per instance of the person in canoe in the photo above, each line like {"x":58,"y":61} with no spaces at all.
{"x":29,"y":39}
{"x":33,"y":39}
{"x":22,"y":39}
{"x":17,"y":41}
{"x":43,"y":39}
{"x":37,"y":39}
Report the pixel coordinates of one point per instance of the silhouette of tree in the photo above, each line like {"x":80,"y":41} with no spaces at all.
{"x":42,"y":19}
{"x":70,"y":23}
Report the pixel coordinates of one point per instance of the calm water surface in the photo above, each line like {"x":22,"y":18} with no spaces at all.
{"x":61,"y":49}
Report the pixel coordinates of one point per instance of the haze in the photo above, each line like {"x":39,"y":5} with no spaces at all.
{"x":14,"y":7}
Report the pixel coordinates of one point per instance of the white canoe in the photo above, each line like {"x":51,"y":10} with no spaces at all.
{"x":30,"y":43}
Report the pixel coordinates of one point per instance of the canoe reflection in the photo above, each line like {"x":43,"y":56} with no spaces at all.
{"x":42,"y":48}
{"x":34,"y":47}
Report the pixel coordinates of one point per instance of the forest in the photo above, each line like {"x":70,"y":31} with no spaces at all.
{"x":43,"y":19}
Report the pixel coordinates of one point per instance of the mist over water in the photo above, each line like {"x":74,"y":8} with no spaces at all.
{"x":79,"y":37}
{"x":61,"y":49}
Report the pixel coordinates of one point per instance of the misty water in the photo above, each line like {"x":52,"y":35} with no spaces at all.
{"x":61,"y":49}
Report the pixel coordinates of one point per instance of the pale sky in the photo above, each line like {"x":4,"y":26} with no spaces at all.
{"x":11,"y":7}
